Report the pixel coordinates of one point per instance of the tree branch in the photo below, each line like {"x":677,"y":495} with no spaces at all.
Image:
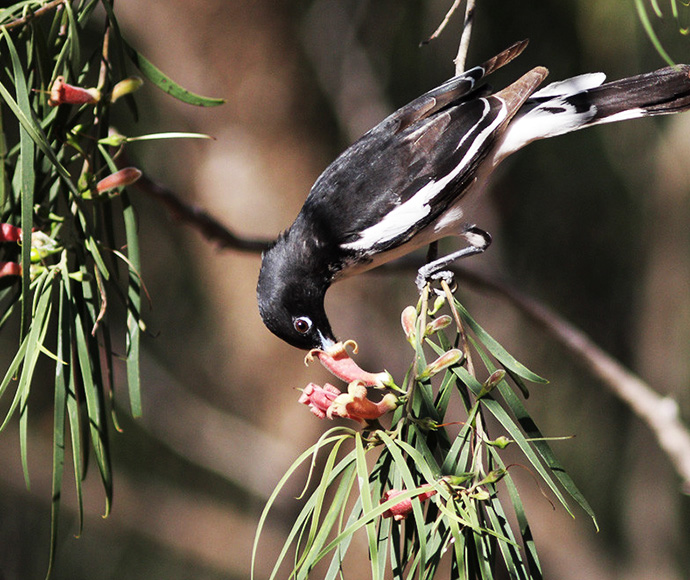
{"x":199,"y":219}
{"x":461,"y":58}
{"x":31,"y":15}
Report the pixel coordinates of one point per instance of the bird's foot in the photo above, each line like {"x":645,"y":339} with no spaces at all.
{"x":425,"y":277}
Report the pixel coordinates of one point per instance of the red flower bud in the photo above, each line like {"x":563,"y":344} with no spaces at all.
{"x":10,"y":269}
{"x":121,"y":178}
{"x":62,"y":93}
{"x":10,"y":233}
{"x":401,"y":510}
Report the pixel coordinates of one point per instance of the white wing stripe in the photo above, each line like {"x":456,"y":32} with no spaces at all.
{"x":408,"y":214}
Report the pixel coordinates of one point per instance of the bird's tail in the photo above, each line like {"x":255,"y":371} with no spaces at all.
{"x":586,"y":100}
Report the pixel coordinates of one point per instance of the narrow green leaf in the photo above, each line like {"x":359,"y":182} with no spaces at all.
{"x":166,"y":84}
{"x":365,"y":496}
{"x":401,"y":466}
{"x":134,"y":291}
{"x":505,"y":358}
{"x":649,"y":29}
{"x":26,"y":165}
{"x":94,"y":399}
{"x":531,"y":555}
{"x":307,"y":559}
{"x":324,"y":440}
{"x":59,"y":420}
{"x":38,"y":137}
{"x":36,"y":336}
{"x":515,"y":433}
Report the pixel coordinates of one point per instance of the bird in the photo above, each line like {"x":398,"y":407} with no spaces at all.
{"x":414,"y":178}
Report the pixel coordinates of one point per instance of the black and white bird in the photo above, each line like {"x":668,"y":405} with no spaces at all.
{"x":412,"y":179}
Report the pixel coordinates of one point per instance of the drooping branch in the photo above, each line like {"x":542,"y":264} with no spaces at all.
{"x":199,"y":219}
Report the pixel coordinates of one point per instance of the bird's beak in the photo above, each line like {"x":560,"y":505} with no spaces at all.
{"x":337,"y":360}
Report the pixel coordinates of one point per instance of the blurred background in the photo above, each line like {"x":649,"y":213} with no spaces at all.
{"x":593,"y":224}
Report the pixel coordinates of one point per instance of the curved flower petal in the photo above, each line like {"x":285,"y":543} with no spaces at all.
{"x":338,"y":361}
{"x":319,"y":398}
{"x":355,"y":405}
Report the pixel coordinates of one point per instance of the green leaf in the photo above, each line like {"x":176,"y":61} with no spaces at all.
{"x":365,"y":497}
{"x":134,"y":291}
{"x":59,"y":420}
{"x":166,"y":84}
{"x":501,"y":354}
{"x":323,"y":441}
{"x":514,"y":432}
{"x":649,"y":29}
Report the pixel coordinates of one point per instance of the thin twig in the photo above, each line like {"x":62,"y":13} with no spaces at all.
{"x":461,"y":58}
{"x":444,"y":22}
{"x":199,"y":219}
{"x":31,"y":15}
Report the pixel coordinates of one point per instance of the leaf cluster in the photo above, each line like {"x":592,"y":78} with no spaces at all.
{"x":438,"y":440}
{"x":78,"y":301}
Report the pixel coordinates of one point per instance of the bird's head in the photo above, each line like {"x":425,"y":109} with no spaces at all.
{"x":291,"y":299}
{"x":291,"y":292}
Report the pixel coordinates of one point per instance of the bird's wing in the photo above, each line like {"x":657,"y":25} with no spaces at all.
{"x":392,"y":183}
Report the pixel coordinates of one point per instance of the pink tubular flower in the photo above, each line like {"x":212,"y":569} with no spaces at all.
{"x":126,"y":176}
{"x":10,"y":233}
{"x":338,"y":362}
{"x":10,"y":269}
{"x":355,"y":405}
{"x":401,"y":510}
{"x":319,"y":398}
{"x":62,"y":93}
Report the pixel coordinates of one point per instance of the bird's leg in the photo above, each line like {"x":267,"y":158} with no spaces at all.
{"x":479,"y":241}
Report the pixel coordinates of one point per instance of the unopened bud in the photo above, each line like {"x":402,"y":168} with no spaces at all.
{"x":125,"y":87}
{"x":447,"y":359}
{"x":438,"y":324}
{"x":501,"y":442}
{"x":493,"y":476}
{"x":122,"y":178}
{"x":438,"y":304}
{"x":62,"y":93}
{"x":113,"y":140}
{"x":408,"y":319}
{"x":489,"y":384}
{"x":10,"y":233}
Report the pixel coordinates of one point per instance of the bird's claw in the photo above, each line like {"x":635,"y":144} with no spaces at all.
{"x":424,"y":278}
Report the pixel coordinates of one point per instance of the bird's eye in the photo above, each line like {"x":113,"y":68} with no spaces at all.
{"x":302,"y":324}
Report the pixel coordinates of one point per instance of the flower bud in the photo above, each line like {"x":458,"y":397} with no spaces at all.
{"x":62,"y":93}
{"x":408,"y":319}
{"x":447,"y":359}
{"x":10,"y":269}
{"x":493,"y":476}
{"x":402,"y":509}
{"x":121,"y":178}
{"x":501,"y":442}
{"x":125,"y":87}
{"x":10,"y":233}
{"x":490,"y":383}
{"x":438,"y":324}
